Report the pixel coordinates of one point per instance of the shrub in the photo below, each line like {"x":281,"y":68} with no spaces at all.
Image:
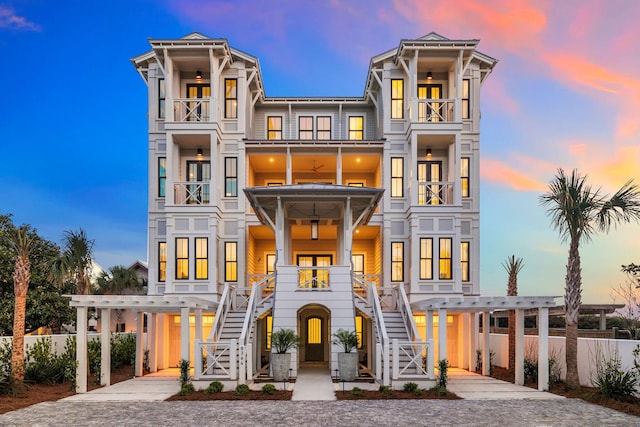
{"x":410,"y":387}
{"x":439,"y":390}
{"x":186,"y":389}
{"x":348,"y":340}
{"x":284,"y":339}
{"x":268,"y":389}
{"x":530,"y":370}
{"x":184,"y":373}
{"x":42,"y":365}
{"x":357,"y":392}
{"x":443,"y":378}
{"x":242,"y":390}
{"x":8,"y":386}
{"x":5,"y":357}
{"x":613,"y":381}
{"x":123,"y":350}
{"x":385,"y":389}
{"x":95,"y":350}
{"x":213,"y":388}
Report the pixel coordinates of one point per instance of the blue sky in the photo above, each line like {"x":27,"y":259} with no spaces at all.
{"x":565,"y":94}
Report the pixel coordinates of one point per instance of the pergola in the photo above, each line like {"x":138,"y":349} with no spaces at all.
{"x":485,"y":305}
{"x":140,"y":304}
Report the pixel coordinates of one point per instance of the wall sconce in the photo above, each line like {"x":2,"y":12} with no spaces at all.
{"x":314,"y":229}
{"x":199,"y":154}
{"x":428,"y":153}
{"x":198,"y":75}
{"x":429,"y":75}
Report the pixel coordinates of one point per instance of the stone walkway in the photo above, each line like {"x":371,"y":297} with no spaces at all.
{"x":313,"y":384}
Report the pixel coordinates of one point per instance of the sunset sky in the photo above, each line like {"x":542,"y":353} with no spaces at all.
{"x":565,"y":93}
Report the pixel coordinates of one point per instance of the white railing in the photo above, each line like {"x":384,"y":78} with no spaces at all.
{"x":382,"y":344}
{"x":402,"y":303}
{"x":435,"y":110}
{"x":411,"y":359}
{"x":313,"y":278}
{"x":191,"y":110}
{"x":435,"y":193}
{"x":217,"y":360}
{"x":221,"y":313}
{"x":191,"y":193}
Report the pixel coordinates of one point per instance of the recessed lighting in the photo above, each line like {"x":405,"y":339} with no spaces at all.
{"x":358,"y":159}
{"x":271,"y":159}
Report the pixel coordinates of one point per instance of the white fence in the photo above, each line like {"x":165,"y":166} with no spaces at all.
{"x":587,"y":350}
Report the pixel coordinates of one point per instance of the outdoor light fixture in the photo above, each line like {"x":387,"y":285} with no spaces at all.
{"x":198,"y":75}
{"x":428,"y":153}
{"x":429,"y":75}
{"x":314,"y":229}
{"x":199,"y":154}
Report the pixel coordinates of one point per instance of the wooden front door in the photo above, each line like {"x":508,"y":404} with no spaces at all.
{"x":315,"y":339}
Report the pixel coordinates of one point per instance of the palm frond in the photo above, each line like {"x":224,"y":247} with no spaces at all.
{"x":622,"y":207}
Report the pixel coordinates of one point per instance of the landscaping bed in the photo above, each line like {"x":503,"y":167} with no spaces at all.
{"x":231,"y":395}
{"x":394,"y":394}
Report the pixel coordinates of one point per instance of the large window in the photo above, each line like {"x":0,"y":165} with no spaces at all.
{"x":397,"y":177}
{"x":231,"y":261}
{"x":356,"y":128}
{"x":359,"y":330}
{"x":182,"y":258}
{"x":161,"y":98}
{"x":445,"y":258}
{"x":397,"y":261}
{"x":230,"y":98}
{"x":464,"y":176}
{"x":357,"y":261}
{"x":464,"y":261}
{"x":466,"y":99}
{"x":162,"y":262}
{"x":323,"y":127}
{"x":231,"y":177}
{"x":305,"y":127}
{"x":426,"y":258}
{"x":274,"y":127}
{"x":202,"y":258}
{"x":397,"y":98}
{"x":162,"y":176}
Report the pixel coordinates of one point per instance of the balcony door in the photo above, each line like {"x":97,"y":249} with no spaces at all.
{"x":199,"y":172}
{"x":314,"y":270}
{"x":429,"y":111}
{"x":429,"y":172}
{"x":197,"y":111}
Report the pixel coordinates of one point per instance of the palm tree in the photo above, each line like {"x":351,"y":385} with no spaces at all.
{"x":75,"y":263}
{"x":120,"y":281}
{"x":578,"y":212}
{"x":22,"y":245}
{"x":513,"y":267}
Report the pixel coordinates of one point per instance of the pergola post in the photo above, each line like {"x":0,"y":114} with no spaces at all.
{"x":152,"y":341}
{"x":442,"y":334}
{"x":464,"y":348}
{"x":139,"y":370}
{"x":184,"y":333}
{"x":473,"y":340}
{"x":519,"y":362}
{"x":486,"y":350}
{"x":81,"y":350}
{"x":105,"y":347}
{"x":543,"y":348}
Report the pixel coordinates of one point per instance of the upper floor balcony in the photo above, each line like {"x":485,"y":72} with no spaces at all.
{"x":192,"y":110}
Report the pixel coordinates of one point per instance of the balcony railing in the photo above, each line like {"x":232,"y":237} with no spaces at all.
{"x":313,"y":278}
{"x":191,"y":110}
{"x":191,"y":193}
{"x":435,"y":193}
{"x":435,"y":110}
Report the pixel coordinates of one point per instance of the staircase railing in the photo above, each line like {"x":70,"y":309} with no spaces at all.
{"x":382,"y":346}
{"x":402,"y":303}
{"x":221,"y":314}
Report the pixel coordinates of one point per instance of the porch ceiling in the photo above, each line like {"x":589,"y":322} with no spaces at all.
{"x":149,"y":303}
{"x":477,"y":304}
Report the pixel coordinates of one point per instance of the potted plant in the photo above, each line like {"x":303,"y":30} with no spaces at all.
{"x":347,"y":361}
{"x":281,"y":342}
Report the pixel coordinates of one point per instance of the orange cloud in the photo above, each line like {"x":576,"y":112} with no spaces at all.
{"x":499,"y":172}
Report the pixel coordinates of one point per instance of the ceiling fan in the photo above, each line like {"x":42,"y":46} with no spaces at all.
{"x":316,"y":168}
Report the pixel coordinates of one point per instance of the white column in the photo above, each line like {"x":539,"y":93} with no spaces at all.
{"x":486,"y":350}
{"x":81,"y":350}
{"x":105,"y":347}
{"x":442,"y":334}
{"x":184,"y":333}
{"x":473,"y":340}
{"x":543,"y":348}
{"x":138,"y":371}
{"x":198,"y":325}
{"x":152,"y":341}
{"x":429,"y":336}
{"x":465,"y":346}
{"x":519,"y":368}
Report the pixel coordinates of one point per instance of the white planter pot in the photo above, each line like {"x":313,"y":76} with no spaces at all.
{"x":280,"y":364}
{"x":348,"y":366}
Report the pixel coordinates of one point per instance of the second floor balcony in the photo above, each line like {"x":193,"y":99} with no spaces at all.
{"x":435,"y":193}
{"x":191,"y":110}
{"x":436,"y":110}
{"x":191,"y":193}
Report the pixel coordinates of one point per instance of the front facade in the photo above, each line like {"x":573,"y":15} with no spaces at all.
{"x":313,"y":214}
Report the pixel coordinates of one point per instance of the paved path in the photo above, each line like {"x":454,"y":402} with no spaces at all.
{"x":313,"y":384}
{"x":469,"y":385}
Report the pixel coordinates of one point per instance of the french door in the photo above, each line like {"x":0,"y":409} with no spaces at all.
{"x":200,"y":173}
{"x":429,"y":175}
{"x":197,"y":110}
{"x":430,"y":111}
{"x":314,"y":270}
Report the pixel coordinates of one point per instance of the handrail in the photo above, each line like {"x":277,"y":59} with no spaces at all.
{"x":191,"y":109}
{"x":252,"y":305}
{"x":435,"y":192}
{"x":221,"y":313}
{"x":377,"y":309}
{"x":191,"y":192}
{"x":405,"y":309}
{"x":435,"y":110}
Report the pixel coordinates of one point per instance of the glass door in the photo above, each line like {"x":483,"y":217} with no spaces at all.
{"x":200,"y":172}
{"x":429,"y":175}
{"x":314,"y":271}
{"x":428,"y":110}
{"x":198,"y":111}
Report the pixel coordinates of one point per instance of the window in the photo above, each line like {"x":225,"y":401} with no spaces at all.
{"x":464,"y":261}
{"x":356,"y":128}
{"x":426,"y":258}
{"x":445,"y":258}
{"x":162,"y":176}
{"x":231,"y":261}
{"x":202,"y":258}
{"x":466,"y":98}
{"x":464,"y":176}
{"x":397,"y":261}
{"x":161,"y":98}
{"x":231,"y":177}
{"x":230,"y":98}
{"x":269,"y":327}
{"x":305,"y":127}
{"x":358,"y":263}
{"x":397,"y":98}
{"x":397,"y":177}
{"x":274,"y":127}
{"x":271,"y":261}
{"x":323,"y":127}
{"x":314,"y":330}
{"x":162,"y":261}
{"x":359,"y":323}
{"x":182,"y":258}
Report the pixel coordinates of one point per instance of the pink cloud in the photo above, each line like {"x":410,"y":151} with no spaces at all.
{"x":499,"y":172}
{"x":8,"y":19}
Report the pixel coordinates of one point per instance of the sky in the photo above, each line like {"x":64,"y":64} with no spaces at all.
{"x":565,"y":93}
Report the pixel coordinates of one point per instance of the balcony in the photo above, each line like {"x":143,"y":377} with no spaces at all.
{"x":191,"y":193}
{"x":435,"y":193}
{"x":191,"y":110}
{"x":435,"y":110}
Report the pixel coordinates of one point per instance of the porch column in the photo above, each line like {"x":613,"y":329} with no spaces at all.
{"x":289,"y":178}
{"x":198,"y":332}
{"x":465,"y":346}
{"x":152,"y":341}
{"x":442,"y":334}
{"x":339,"y":163}
{"x":543,"y":348}
{"x":519,"y":362}
{"x":105,"y":347}
{"x":81,"y":350}
{"x":347,"y":235}
{"x":184,"y":333}
{"x":139,"y":371}
{"x":486,"y":360}
{"x":279,"y":231}
{"x":473,"y":340}
{"x":429,"y":336}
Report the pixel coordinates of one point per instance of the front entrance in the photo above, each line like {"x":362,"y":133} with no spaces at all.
{"x":314,"y":332}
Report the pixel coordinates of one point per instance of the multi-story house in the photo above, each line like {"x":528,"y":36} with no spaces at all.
{"x":313,"y":214}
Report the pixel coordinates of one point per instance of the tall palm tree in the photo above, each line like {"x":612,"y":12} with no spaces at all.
{"x":513,"y":266}
{"x":22,"y":245}
{"x":577,"y":211}
{"x":75,"y":263}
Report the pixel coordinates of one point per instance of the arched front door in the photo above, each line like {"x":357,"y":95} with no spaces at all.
{"x":315,"y":339}
{"x":314,"y":333}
